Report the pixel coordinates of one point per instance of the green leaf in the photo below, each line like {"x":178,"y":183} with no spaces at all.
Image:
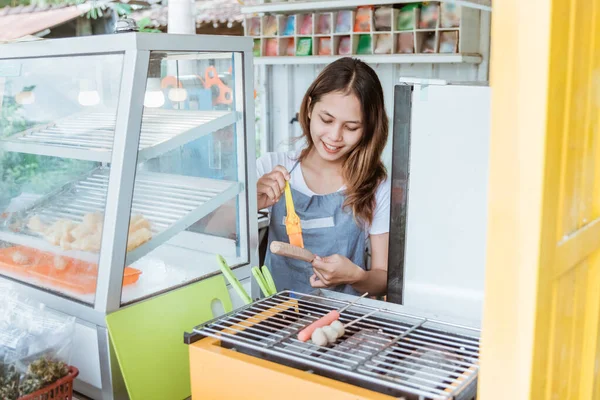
{"x":122,"y":9}
{"x":144,"y":23}
{"x":149,"y":30}
{"x":93,"y":13}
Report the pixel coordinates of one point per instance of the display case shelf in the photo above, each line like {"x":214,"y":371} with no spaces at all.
{"x":89,"y":136}
{"x":171,"y":203}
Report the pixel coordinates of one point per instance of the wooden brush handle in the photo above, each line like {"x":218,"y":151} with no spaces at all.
{"x":287,"y":250}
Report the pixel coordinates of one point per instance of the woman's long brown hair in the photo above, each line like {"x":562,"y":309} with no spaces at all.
{"x":362,"y":169}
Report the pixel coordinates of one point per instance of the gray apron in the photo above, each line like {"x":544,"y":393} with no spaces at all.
{"x":326,"y":230}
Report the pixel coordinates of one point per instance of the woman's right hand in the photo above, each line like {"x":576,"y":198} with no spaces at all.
{"x":269,"y":187}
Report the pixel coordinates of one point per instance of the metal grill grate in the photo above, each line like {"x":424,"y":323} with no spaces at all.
{"x":386,"y":351}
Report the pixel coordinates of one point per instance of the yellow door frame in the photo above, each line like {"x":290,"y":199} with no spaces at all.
{"x":541,"y":325}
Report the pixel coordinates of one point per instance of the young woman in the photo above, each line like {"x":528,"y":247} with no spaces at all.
{"x":339,"y":185}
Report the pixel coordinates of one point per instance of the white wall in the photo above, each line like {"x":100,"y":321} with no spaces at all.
{"x":447,"y":200}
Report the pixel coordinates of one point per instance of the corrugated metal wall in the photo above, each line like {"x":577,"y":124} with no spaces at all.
{"x":281,"y":88}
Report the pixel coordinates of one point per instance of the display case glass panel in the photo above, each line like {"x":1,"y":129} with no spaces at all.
{"x":57,"y":126}
{"x":189,"y":202}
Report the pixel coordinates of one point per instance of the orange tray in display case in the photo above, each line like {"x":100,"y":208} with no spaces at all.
{"x":19,"y":259}
{"x":58,"y":271}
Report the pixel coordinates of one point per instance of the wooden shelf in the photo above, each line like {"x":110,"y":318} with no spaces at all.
{"x":298,"y":6}
{"x":385,"y":42}
{"x":375,"y":59}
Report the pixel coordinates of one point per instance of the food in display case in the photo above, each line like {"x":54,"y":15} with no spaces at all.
{"x":87,"y":235}
{"x":20,"y":258}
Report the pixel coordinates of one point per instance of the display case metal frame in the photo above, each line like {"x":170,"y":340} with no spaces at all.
{"x":136,"y":49}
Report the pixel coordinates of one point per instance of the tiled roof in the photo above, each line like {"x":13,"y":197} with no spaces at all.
{"x":20,"y":21}
{"x":16,"y":22}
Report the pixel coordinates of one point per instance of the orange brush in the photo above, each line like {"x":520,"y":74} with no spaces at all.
{"x":292,"y":221}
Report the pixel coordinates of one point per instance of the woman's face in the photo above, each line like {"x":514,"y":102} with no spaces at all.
{"x":336,"y":125}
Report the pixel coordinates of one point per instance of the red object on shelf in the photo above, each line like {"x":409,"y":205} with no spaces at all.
{"x":62,"y":389}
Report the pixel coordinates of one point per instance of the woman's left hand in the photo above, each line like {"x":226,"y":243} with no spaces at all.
{"x":334,"y":270}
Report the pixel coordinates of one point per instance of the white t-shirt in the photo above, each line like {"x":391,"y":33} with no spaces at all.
{"x":381,"y":217}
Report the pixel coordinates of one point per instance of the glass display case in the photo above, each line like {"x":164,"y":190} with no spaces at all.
{"x":123,"y":166}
